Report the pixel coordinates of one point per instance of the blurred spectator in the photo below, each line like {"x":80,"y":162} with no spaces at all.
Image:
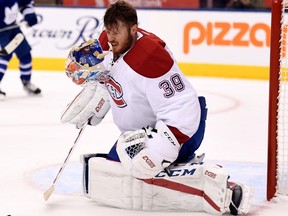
{"x":48,"y":2}
{"x":220,"y":3}
{"x":252,"y":4}
{"x":213,"y":3}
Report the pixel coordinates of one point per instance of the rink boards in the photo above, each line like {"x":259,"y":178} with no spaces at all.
{"x":205,"y":43}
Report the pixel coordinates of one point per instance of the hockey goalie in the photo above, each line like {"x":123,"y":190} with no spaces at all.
{"x":153,"y":165}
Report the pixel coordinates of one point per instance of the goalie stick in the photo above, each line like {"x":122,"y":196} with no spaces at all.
{"x":12,"y":45}
{"x":48,"y":193}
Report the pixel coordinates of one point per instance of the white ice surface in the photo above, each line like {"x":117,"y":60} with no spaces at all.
{"x":34,"y":145}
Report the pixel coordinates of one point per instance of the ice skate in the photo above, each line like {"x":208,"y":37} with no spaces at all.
{"x":2,"y":95}
{"x":241,"y":199}
{"x":31,"y":88}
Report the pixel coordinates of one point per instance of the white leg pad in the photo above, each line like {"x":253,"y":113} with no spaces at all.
{"x":217,"y":196}
{"x":109,"y":183}
{"x":246,"y":200}
{"x":191,"y":187}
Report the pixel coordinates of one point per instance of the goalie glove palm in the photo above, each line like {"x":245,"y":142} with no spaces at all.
{"x":146,"y":152}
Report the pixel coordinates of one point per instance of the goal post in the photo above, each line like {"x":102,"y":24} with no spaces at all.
{"x":277,"y":164}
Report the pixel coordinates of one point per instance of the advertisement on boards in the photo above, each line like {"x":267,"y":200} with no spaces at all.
{"x":203,"y":42}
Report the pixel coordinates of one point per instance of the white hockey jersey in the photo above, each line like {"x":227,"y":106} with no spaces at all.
{"x":146,"y":85}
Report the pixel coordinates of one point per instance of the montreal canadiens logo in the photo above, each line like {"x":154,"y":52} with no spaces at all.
{"x":116,"y":92}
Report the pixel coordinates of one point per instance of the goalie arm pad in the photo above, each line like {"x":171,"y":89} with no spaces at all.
{"x":146,"y":152}
{"x":91,"y":104}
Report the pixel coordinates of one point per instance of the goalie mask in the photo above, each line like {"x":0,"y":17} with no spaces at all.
{"x":85,"y":63}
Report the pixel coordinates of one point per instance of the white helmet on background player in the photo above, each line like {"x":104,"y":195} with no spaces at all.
{"x":84,"y":63}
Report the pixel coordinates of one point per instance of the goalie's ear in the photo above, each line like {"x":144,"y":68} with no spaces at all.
{"x":134,"y":28}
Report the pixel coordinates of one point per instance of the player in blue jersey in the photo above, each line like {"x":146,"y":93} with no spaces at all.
{"x":9,"y":10}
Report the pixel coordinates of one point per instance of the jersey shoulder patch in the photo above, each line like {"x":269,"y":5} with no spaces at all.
{"x":148,"y":57}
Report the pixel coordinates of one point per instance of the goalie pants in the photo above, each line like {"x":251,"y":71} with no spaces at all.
{"x":187,"y":151}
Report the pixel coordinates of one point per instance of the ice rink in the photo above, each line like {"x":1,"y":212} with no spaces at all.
{"x":34,"y":144}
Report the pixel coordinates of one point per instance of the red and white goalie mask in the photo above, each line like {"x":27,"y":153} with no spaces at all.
{"x":85,"y":63}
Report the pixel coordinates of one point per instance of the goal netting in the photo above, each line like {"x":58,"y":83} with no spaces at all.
{"x":277,"y":172}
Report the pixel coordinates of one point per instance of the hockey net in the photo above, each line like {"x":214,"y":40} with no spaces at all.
{"x":277,"y":170}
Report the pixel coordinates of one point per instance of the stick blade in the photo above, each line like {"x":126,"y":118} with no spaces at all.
{"x":48,"y":193}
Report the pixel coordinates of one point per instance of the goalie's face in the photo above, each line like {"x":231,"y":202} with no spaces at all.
{"x":121,"y":37}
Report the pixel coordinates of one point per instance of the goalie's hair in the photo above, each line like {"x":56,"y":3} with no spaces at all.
{"x":120,"y":11}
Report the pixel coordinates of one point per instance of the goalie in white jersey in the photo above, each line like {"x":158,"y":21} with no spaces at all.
{"x":161,"y":119}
